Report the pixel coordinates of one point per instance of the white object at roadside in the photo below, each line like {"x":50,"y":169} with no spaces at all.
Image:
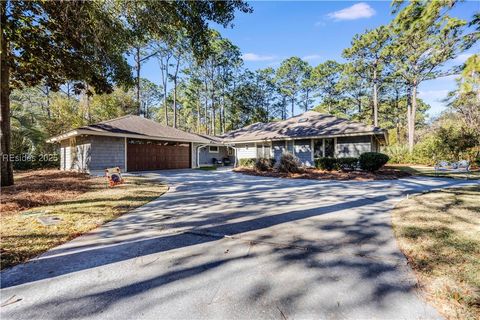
{"x":460,"y":166}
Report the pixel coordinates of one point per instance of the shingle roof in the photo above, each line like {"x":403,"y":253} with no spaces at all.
{"x":136,"y":126}
{"x":308,"y":124}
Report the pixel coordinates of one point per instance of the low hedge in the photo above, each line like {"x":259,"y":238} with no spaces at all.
{"x":347,"y":164}
{"x":289,"y":164}
{"x":372,"y":161}
{"x":326,"y":163}
{"x":329,"y":164}
{"x":247,"y":162}
{"x":264,"y":164}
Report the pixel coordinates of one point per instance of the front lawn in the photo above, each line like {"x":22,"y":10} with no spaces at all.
{"x":417,"y":170}
{"x":439,"y":233}
{"x":69,"y":205}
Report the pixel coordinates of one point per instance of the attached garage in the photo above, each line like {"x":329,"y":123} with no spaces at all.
{"x":157,"y":155}
{"x":134,"y":143}
{"x":131,"y":143}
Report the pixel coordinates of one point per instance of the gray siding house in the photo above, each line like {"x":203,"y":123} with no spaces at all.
{"x":307,"y":136}
{"x":134,"y":143}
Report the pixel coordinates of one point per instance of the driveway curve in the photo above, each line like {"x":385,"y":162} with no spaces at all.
{"x":222,"y":245}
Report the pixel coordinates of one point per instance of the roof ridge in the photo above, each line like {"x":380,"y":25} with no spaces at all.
{"x":167,"y":126}
{"x":341,"y":118}
{"x":114,"y":119}
{"x":147,"y":119}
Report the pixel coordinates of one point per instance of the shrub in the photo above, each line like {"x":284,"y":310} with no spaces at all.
{"x":264,"y":164}
{"x":372,"y":161}
{"x":247,"y":162}
{"x":326,"y":163}
{"x":289,"y":164}
{"x":347,"y":164}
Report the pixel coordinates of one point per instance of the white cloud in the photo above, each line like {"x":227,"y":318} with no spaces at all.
{"x":433,"y":95}
{"x":435,"y":99}
{"x":463,"y":57}
{"x":320,"y":24}
{"x":357,"y":11}
{"x":274,"y":64}
{"x":450,"y":77}
{"x":256,"y":57}
{"x":312,"y":57}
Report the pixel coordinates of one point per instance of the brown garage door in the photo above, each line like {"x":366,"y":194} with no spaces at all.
{"x":157,"y":155}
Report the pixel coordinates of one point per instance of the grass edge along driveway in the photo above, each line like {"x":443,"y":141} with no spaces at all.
{"x":425,"y":171}
{"x":24,"y":236}
{"x":439,"y":233}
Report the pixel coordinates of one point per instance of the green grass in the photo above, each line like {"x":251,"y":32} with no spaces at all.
{"x":24,"y":237}
{"x":430,"y":172}
{"x":439,"y":233}
{"x":207,"y":168}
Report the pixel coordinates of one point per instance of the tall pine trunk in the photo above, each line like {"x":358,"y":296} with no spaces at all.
{"x":397,"y":120}
{"x":222,"y":112}
{"x":5,"y":134}
{"x":213,"y":131}
{"x":293,"y":106}
{"x":137,"y":82}
{"x":206,"y":108}
{"x":47,"y":95}
{"x":175,"y":120}
{"x":164,"y":70}
{"x":409,"y":112}
{"x":175,"y":102}
{"x":413,"y":111}
{"x":213,"y":111}
{"x":198,"y":114}
{"x":306,"y":101}
{"x":375,"y":99}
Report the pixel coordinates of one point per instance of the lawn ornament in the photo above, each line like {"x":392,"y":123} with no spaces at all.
{"x":114,"y":176}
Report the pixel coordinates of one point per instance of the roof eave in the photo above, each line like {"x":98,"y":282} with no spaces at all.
{"x":309,"y":137}
{"x":78,"y":132}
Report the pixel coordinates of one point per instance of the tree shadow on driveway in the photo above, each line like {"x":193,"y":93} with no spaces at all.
{"x":253,"y":246}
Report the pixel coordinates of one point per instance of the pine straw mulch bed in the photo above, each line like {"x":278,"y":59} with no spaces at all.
{"x":42,"y":187}
{"x":316,"y":174}
{"x":49,"y":207}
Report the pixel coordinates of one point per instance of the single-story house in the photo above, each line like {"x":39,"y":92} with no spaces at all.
{"x":135,"y":143}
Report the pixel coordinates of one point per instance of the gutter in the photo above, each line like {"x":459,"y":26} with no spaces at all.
{"x":227,"y":142}
{"x":309,"y":137}
{"x":78,"y":132}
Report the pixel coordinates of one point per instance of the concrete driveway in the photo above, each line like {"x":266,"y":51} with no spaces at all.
{"x":228,"y":246}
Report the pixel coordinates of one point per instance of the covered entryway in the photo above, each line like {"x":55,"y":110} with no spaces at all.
{"x":157,"y":155}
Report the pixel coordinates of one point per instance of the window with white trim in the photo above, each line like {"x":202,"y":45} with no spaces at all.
{"x":213,"y":149}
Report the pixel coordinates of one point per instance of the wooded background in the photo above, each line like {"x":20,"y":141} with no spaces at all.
{"x":65,"y":65}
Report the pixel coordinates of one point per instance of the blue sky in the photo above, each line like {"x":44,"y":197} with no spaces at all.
{"x":317,"y":31}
